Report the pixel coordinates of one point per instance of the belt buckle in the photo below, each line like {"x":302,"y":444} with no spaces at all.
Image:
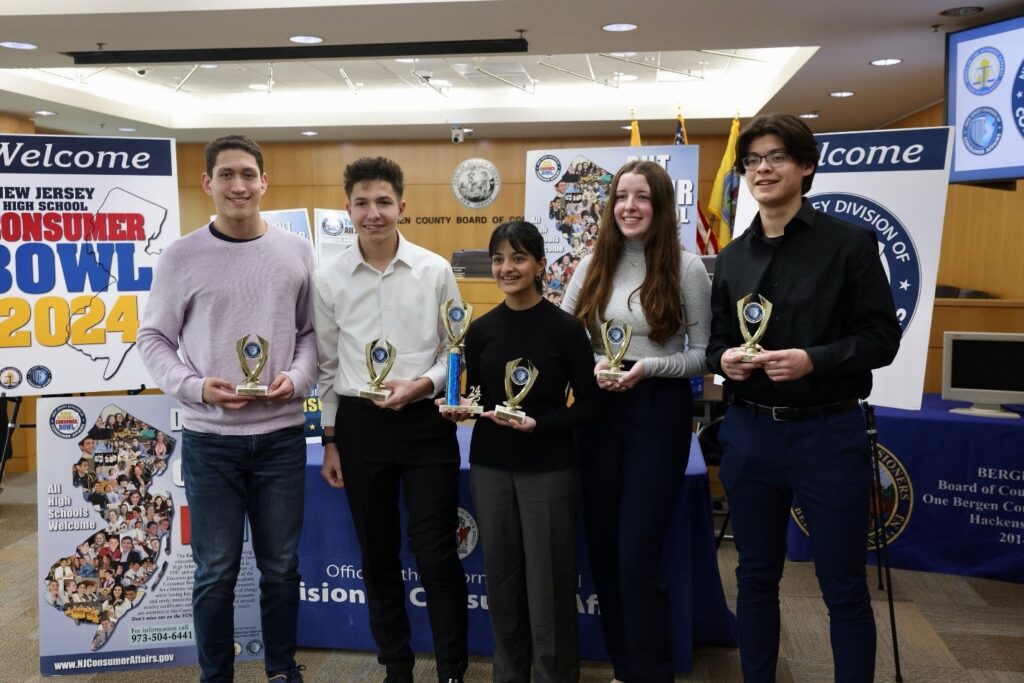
{"x":777,"y":414}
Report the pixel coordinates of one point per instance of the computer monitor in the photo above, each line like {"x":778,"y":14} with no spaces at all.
{"x":985,"y":368}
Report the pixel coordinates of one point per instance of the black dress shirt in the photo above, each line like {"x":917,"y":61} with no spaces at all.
{"x":830,"y":297}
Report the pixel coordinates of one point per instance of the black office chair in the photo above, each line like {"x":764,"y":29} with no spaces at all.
{"x":707,"y":437}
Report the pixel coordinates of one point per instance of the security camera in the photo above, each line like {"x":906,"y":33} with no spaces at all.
{"x":141,"y":72}
{"x":458,"y":135}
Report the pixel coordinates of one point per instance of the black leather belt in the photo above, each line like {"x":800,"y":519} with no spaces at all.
{"x":784,"y":413}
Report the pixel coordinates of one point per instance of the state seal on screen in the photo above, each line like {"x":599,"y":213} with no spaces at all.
{"x":476,"y":183}
{"x":895,"y":245}
{"x":1017,"y":101}
{"x":467,"y":535}
{"x":892,"y":502}
{"x":982,"y":131}
{"x":983,"y":70}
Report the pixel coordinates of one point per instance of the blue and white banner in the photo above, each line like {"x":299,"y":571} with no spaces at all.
{"x":894,"y":183}
{"x":115,"y":561}
{"x":566,"y":190}
{"x":291,"y":220}
{"x":82,"y":223}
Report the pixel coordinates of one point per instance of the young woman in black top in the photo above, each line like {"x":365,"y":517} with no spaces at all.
{"x":523,"y":476}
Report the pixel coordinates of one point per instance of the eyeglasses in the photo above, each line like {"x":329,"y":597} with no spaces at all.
{"x":776,"y":157}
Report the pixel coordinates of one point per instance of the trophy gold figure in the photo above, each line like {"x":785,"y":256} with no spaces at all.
{"x":516,"y":375}
{"x":754,"y":313}
{"x":616,"y":340}
{"x":456,"y":319}
{"x":257,"y":352}
{"x":380,"y":357}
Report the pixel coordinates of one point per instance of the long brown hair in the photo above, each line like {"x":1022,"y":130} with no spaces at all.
{"x":659,"y":292}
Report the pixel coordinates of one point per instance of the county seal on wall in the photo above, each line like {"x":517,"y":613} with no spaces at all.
{"x":476,"y":183}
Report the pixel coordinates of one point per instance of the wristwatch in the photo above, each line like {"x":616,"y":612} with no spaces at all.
{"x":324,"y":440}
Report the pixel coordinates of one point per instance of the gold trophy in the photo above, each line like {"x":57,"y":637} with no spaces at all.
{"x":456,"y":318}
{"x":379,"y":360}
{"x":755,"y":313}
{"x":252,"y":351}
{"x":521,"y":376}
{"x":616,"y":340}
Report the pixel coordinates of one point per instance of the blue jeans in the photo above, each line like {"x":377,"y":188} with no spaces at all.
{"x":226,"y":479}
{"x":826,"y":463}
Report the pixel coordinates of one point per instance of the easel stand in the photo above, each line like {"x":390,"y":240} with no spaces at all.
{"x":12,"y":424}
{"x":881,"y":541}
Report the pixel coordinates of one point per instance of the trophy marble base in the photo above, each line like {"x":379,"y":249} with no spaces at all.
{"x":251,"y":390}
{"x":465,"y":410}
{"x":511,"y":414}
{"x":374,"y":394}
{"x":611,"y":375}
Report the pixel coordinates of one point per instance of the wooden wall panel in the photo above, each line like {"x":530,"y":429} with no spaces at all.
{"x":16,"y":126}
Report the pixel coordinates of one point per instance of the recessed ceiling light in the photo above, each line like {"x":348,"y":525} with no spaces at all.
{"x":628,"y":126}
{"x":623,"y":55}
{"x":259,"y":86}
{"x":440,"y":82}
{"x":810,"y":115}
{"x":626,"y":77}
{"x":890,"y":61}
{"x":406,"y":60}
{"x":309,"y":133}
{"x":961,"y":11}
{"x":841,"y":93}
{"x":126,"y":129}
{"x":467,"y":130}
{"x":208,"y":66}
{"x":44,"y":112}
{"x":15,"y":45}
{"x":618,"y":28}
{"x":306,"y":40}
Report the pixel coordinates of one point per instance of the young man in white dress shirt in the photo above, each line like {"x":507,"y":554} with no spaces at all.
{"x":386,"y":288}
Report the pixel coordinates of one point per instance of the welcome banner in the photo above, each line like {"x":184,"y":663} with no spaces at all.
{"x":82,"y":223}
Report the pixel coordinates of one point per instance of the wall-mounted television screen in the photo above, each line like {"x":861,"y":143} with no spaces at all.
{"x":985,"y":101}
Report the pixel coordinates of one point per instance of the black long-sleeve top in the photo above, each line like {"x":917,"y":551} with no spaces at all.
{"x":830,"y":297}
{"x":557,"y":345}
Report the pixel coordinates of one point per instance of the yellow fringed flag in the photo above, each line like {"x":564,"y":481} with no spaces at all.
{"x":722,"y":205}
{"x":634,"y":133}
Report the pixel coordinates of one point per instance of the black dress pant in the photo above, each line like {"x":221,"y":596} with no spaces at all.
{"x":413,"y":450}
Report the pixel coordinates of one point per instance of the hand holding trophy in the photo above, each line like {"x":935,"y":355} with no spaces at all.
{"x":379,"y":360}
{"x":521,"y":376}
{"x":252,"y":351}
{"x":755,"y":313}
{"x":616,"y":340}
{"x":456,"y":319}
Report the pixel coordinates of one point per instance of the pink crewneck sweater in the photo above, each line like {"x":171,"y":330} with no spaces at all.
{"x":207,"y":294}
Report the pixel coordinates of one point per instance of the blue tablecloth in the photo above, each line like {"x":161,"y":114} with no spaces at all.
{"x":333,"y":611}
{"x":953,"y":492}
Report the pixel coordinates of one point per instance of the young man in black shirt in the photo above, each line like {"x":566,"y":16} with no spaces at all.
{"x":794,"y":425}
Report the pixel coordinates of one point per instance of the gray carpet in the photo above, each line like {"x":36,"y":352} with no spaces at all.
{"x":952,"y":629}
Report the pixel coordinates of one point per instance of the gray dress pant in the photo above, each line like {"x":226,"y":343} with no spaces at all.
{"x":527,"y":526}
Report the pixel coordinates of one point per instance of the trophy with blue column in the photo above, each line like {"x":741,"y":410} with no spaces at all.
{"x":456,"y":318}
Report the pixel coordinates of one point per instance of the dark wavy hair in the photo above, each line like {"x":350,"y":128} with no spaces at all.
{"x":241,"y":142}
{"x":522,"y":236}
{"x":795,"y":135}
{"x":374,"y":168}
{"x":659,"y":292}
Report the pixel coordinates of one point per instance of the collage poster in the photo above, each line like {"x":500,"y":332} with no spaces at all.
{"x":115,"y":565}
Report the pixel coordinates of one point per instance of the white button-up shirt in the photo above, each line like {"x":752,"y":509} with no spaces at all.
{"x":354,"y":304}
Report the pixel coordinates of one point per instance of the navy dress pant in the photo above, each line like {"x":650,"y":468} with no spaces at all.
{"x":826,"y":462}
{"x":631,"y":466}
